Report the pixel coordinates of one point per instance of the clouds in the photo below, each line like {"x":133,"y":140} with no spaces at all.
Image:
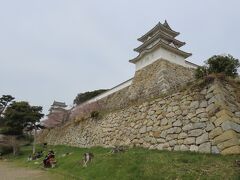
{"x":56,"y":49}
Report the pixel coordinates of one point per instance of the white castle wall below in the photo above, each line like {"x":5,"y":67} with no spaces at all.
{"x":161,"y":53}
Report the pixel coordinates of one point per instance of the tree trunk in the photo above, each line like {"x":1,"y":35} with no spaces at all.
{"x":14,"y":150}
{"x":34,"y":140}
{"x":15,"y":145}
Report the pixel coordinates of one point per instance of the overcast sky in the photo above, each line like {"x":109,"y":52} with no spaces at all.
{"x":54,"y":49}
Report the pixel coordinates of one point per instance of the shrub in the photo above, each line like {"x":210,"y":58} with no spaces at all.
{"x":5,"y":150}
{"x":95,"y":114}
{"x":223,"y":64}
{"x":201,"y":72}
{"x":219,"y":64}
{"x":83,"y":97}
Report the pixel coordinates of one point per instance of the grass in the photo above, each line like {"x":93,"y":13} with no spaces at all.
{"x":136,"y":163}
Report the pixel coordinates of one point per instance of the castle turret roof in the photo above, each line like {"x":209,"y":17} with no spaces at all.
{"x":160,"y":36}
{"x":163,"y":27}
{"x":59,"y":104}
{"x":164,"y":45}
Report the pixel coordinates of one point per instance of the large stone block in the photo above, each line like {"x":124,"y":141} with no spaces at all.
{"x":166,"y":127}
{"x":215,"y":132}
{"x":149,"y":128}
{"x":231,"y":150}
{"x":171,"y":137}
{"x":217,"y":90}
{"x":229,"y":134}
{"x":185,"y":112}
{"x":205,"y":148}
{"x":220,"y":100}
{"x":166,"y":145}
{"x":195,"y":119}
{"x":158,"y":112}
{"x":187,"y":127}
{"x":211,"y":88}
{"x":184,"y":148}
{"x":178,"y":112}
{"x":177,"y":123}
{"x":163,"y":134}
{"x":223,"y":113}
{"x":180,"y":141}
{"x":182,"y":135}
{"x":194,"y":148}
{"x":195,"y":133}
{"x":175,"y":108}
{"x":190,"y":140}
{"x":203,"y":92}
{"x":172,"y":142}
{"x":194,"y":104}
{"x":171,"y":114}
{"x":169,"y":109}
{"x":159,"y":147}
{"x":156,"y":134}
{"x":201,"y":110}
{"x":228,"y":143}
{"x":209,"y":95}
{"x":143,"y":130}
{"x":202,"y":116}
{"x":201,"y":139}
{"x":211,"y":108}
{"x":222,"y":119}
{"x":212,"y":100}
{"x":237,"y":114}
{"x":209,"y":127}
{"x":236,"y":120}
{"x":161,"y":102}
{"x":199,"y":125}
{"x":174,"y":130}
{"x":161,"y":140}
{"x":176,"y":148}
{"x":164,"y":122}
{"x":191,"y":115}
{"x":215,"y":150}
{"x":230,"y":125}
{"x":203,"y":104}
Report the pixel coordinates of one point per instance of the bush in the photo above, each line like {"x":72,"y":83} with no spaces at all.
{"x":5,"y":150}
{"x":83,"y":97}
{"x":223,"y":64}
{"x":201,"y":72}
{"x":95,"y":114}
{"x":227,"y":65}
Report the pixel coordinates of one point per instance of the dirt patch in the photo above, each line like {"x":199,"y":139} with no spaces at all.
{"x":9,"y":171}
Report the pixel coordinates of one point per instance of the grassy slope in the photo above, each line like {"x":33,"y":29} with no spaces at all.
{"x":138,"y":164}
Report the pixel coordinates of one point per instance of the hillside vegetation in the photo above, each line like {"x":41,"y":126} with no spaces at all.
{"x":136,"y":163}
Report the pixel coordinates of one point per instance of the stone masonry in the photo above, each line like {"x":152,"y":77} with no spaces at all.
{"x":200,"y":119}
{"x":150,"y":82}
{"x":157,"y":78}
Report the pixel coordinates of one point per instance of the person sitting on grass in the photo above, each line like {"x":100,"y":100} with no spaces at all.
{"x":35,"y":156}
{"x":49,"y":160}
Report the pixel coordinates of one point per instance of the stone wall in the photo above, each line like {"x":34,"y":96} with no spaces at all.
{"x":157,"y":78}
{"x":149,"y":82}
{"x":202,"y":119}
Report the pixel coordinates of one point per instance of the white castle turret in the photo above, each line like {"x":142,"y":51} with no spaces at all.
{"x":160,"y":43}
{"x":165,"y":68}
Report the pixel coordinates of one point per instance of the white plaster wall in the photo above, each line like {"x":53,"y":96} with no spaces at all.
{"x":158,"y":54}
{"x":189,"y":65}
{"x":111,"y":91}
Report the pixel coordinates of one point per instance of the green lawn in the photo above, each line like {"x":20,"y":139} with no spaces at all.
{"x":137,"y":164}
